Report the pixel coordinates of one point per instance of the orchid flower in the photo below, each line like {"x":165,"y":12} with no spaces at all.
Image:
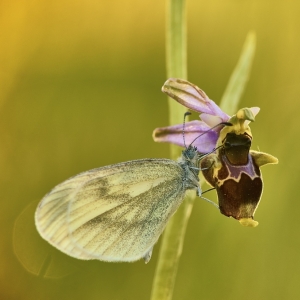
{"x":211,"y":115}
{"x":229,"y":165}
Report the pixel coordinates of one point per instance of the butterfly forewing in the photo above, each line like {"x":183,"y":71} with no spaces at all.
{"x":115,"y":213}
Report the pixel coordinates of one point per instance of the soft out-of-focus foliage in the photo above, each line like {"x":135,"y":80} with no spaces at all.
{"x":80,"y":88}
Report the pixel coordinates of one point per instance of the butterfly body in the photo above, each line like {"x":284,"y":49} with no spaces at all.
{"x":118,"y":212}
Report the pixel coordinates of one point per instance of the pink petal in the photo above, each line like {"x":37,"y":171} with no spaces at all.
{"x":211,"y":120}
{"x":192,"y":97}
{"x":193,"y":130}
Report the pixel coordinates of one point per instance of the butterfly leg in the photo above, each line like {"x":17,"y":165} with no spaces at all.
{"x":211,"y":202}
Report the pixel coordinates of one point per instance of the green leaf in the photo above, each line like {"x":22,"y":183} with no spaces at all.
{"x":239,"y":77}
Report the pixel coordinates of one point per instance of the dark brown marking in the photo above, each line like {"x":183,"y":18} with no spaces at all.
{"x":236,"y":148}
{"x":239,"y":199}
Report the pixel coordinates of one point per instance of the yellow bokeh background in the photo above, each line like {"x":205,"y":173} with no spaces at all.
{"x":80,"y":88}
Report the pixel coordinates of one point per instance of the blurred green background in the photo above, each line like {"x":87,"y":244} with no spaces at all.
{"x":80,"y":88}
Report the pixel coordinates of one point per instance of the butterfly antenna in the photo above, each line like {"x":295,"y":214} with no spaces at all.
{"x":222,"y":123}
{"x":183,"y":129}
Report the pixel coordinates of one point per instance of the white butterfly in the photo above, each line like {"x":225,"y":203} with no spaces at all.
{"x":118,"y":212}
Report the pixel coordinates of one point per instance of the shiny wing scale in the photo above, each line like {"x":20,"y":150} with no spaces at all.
{"x":115,"y":213}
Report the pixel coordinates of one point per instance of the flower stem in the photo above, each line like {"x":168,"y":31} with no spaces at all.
{"x":174,"y":233}
{"x":176,"y":57}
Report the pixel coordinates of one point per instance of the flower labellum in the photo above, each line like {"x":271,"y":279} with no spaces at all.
{"x":233,"y":169}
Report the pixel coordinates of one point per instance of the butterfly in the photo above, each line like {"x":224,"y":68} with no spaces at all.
{"x":117,"y":213}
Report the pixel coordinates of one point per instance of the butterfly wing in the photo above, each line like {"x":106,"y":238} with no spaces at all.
{"x":114,"y":213}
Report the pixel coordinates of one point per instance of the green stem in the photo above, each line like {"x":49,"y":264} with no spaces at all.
{"x":176,"y":57}
{"x":174,"y":233}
